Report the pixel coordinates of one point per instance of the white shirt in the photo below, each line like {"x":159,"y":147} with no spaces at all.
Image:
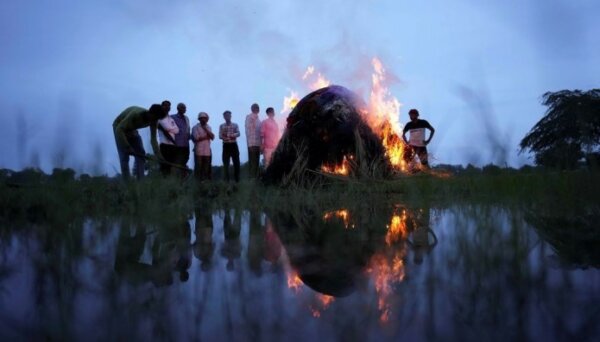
{"x":169,"y":125}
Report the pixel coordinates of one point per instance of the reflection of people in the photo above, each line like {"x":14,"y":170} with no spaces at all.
{"x":272,"y":243}
{"x":417,"y":142}
{"x":269,"y":132}
{"x":232,"y":247}
{"x":255,"y":243}
{"x":229,"y":132}
{"x":252,"y":126}
{"x":203,"y":245}
{"x":129,"y":251}
{"x":172,"y":248}
{"x":128,"y":140}
{"x":423,"y":237}
{"x":202,"y":135}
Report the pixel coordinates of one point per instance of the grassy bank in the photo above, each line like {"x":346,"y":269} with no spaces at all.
{"x":37,"y":197}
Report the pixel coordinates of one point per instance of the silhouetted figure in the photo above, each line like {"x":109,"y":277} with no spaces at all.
{"x":229,"y":132}
{"x":417,"y":144}
{"x":253,"y":140}
{"x":128,"y":140}
{"x":182,"y":138}
{"x":232,"y":247}
{"x":204,"y":245}
{"x":202,"y":135}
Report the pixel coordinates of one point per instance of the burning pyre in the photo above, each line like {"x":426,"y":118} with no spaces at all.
{"x":326,"y":129}
{"x":380,"y":114}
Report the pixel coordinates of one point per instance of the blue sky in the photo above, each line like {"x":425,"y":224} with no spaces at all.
{"x":475,"y":70}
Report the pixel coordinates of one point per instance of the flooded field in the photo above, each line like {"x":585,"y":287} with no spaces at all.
{"x":365,"y":271}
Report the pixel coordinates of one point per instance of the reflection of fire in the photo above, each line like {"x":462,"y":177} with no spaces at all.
{"x":323,"y":302}
{"x":342,"y":214}
{"x":397,"y":229}
{"x":294,"y":281}
{"x":387,"y":272}
{"x":388,"y":266}
{"x":341,"y":169}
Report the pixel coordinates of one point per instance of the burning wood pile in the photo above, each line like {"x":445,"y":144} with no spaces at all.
{"x":325,"y":135}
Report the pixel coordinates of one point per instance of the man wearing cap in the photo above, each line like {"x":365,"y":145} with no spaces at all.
{"x":129,"y":142}
{"x":417,"y":144}
{"x":201,"y":136}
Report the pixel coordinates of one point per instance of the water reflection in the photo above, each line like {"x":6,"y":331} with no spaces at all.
{"x":232,"y":248}
{"x":368,"y":271}
{"x":203,"y":246}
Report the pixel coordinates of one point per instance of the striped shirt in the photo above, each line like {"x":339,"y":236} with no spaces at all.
{"x":253,"y":130}
{"x":229,"y":132}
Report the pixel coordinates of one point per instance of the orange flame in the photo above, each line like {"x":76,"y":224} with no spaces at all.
{"x":342,"y":214}
{"x":382,"y":114}
{"x":342,"y":169}
{"x":319,"y":81}
{"x":289,"y":102}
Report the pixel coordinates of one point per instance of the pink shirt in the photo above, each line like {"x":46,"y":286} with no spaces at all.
{"x":202,"y":147}
{"x":269,"y":131}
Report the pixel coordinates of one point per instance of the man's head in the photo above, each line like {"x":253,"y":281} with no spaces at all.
{"x":227,"y":116}
{"x":255,"y":108}
{"x":157,"y":112}
{"x":270,"y":112}
{"x":203,"y":117}
{"x":181,"y":108}
{"x":166,"y":104}
{"x":414,"y":114}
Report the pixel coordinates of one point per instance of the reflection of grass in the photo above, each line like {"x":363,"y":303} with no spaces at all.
{"x":574,"y":237}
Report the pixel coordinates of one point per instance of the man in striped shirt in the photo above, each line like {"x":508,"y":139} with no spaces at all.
{"x":253,"y":139}
{"x":229,"y":132}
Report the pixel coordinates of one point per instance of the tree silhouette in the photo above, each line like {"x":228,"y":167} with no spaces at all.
{"x":569,"y":131}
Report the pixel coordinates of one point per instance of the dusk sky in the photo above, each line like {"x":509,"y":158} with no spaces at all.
{"x":476,"y":70}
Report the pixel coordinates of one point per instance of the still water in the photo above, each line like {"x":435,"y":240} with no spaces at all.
{"x":361,"y":273}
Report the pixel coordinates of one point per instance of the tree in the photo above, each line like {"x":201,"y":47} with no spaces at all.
{"x":568,"y":132}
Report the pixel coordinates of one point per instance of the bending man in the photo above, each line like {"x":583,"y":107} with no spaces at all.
{"x":129,"y":141}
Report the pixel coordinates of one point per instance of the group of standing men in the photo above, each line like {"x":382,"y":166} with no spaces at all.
{"x":175,"y":132}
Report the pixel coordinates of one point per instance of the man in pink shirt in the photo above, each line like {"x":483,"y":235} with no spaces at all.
{"x":269,"y":133}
